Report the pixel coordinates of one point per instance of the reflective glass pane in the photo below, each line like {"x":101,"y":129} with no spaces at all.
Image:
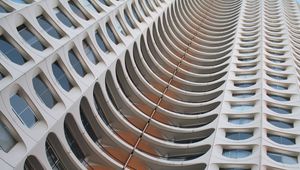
{"x":48,"y":27}
{"x":281,"y":139}
{"x":61,"y":77}
{"x":77,"y":11}
{"x":111,"y":34}
{"x":240,"y":121}
{"x":9,"y":51}
{"x":281,"y":124}
{"x":63,"y":18}
{"x":100,"y":42}
{"x":30,"y":38}
{"x":43,"y":92}
{"x":283,"y":158}
{"x":89,"y":52}
{"x":7,"y":141}
{"x":75,"y":62}
{"x":128,"y":20}
{"x":280,"y":110}
{"x":23,"y":110}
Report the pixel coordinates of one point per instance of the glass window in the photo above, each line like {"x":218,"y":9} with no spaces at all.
{"x":100,"y":111}
{"x":63,"y":18}
{"x":236,"y":153}
{"x":61,"y":76}
{"x":76,"y":10}
{"x":53,"y":160}
{"x":21,"y":1}
{"x":143,"y":9}
{"x":279,"y":98}
{"x":11,"y":52}
{"x":245,"y":75}
{"x":90,"y":5}
{"x":89,"y":52}
{"x":48,"y":27}
{"x":119,"y":27}
{"x":276,"y":68}
{"x":105,"y":2}
{"x":277,"y":77}
{"x":282,"y":140}
{"x":30,"y":38}
{"x":135,"y":14}
{"x":7,"y":141}
{"x":242,"y":107}
{"x":75,"y":62}
{"x":86,"y":124}
{"x":238,"y":135}
{"x":4,"y":9}
{"x":149,"y":6}
{"x":100,"y":42}
{"x":278,"y":87}
{"x":111,"y":34}
{"x":281,"y":124}
{"x":240,"y":120}
{"x":128,"y":20}
{"x":43,"y":91}
{"x":283,"y":158}
{"x":243,"y":95}
{"x":280,"y":110}
{"x":2,"y":76}
{"x":73,"y":144}
{"x":24,"y":112}
{"x":243,"y":85}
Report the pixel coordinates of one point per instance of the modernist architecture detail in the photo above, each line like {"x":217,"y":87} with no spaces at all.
{"x":150,"y":84}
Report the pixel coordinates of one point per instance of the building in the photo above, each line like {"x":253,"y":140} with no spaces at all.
{"x":150,"y":84}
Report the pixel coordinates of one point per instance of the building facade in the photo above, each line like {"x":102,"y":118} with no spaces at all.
{"x":150,"y":84}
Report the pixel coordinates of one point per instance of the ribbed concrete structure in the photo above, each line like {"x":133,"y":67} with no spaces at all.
{"x":150,"y":84}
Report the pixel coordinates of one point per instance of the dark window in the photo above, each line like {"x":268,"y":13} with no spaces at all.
{"x":281,"y":139}
{"x":1,"y":76}
{"x":236,"y":153}
{"x":73,"y":144}
{"x":3,"y":9}
{"x":21,"y":1}
{"x":278,"y":87}
{"x":53,"y":160}
{"x":7,"y":141}
{"x":149,"y":6}
{"x":43,"y":91}
{"x":135,"y":14}
{"x":278,"y":98}
{"x":77,"y":11}
{"x":105,"y":2}
{"x":61,"y":76}
{"x":100,"y":42}
{"x":239,"y":135}
{"x":89,"y":4}
{"x":89,"y":52}
{"x":283,"y":158}
{"x":9,"y":51}
{"x":243,"y":85}
{"x":119,"y":27}
{"x":87,"y":126}
{"x":48,"y":27}
{"x":63,"y":18}
{"x":111,"y":34}
{"x":280,"y":110}
{"x":281,"y":124}
{"x":100,"y":111}
{"x":75,"y":62}
{"x":143,"y":9}
{"x":23,"y":110}
{"x":128,"y":20}
{"x":240,"y":120}
{"x":30,"y":38}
